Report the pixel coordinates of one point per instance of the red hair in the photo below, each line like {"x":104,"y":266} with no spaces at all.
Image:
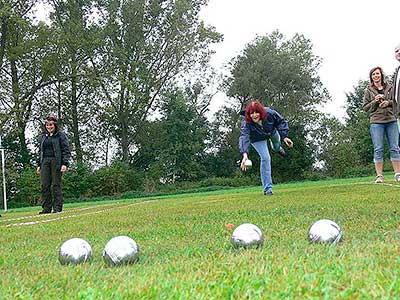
{"x":255,"y":106}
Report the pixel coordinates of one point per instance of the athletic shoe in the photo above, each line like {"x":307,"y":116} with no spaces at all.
{"x":397,"y":177}
{"x":268,"y":193}
{"x":43,"y":212}
{"x":379,"y":179}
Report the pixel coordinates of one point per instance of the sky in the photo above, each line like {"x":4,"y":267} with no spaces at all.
{"x":350,"y":36}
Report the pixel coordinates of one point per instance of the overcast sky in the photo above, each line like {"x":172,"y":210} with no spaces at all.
{"x":351,"y":36}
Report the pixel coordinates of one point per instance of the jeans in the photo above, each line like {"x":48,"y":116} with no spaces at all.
{"x":378,"y":131}
{"x":265,"y":159}
{"x":51,"y":176}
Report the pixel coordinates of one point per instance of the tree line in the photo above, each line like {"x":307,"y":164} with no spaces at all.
{"x":132,"y":85}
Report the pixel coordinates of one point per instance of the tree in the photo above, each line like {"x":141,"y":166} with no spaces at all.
{"x":26,"y":68}
{"x":223,"y":145}
{"x":147,"y":44}
{"x":176,"y":144}
{"x":283,"y":75}
{"x":280,"y":73}
{"x":75,"y":36}
{"x":345,"y":149}
{"x":354,"y":102}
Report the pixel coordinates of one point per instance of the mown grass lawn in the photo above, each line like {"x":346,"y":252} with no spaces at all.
{"x":186,"y":251}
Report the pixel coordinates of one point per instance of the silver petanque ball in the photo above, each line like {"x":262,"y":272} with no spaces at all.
{"x":121,"y":250}
{"x":75,"y":251}
{"x":248,"y":163}
{"x":247,"y":235}
{"x":325,"y":231}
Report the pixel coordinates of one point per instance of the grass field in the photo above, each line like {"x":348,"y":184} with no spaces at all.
{"x":186,"y":251}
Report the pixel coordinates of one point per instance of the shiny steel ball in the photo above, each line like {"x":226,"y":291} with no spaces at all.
{"x":325,"y":231}
{"x":121,"y":250}
{"x":247,"y":235}
{"x":75,"y":251}
{"x":248,"y":163}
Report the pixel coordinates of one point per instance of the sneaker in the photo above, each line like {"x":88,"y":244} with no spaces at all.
{"x":397,"y":177}
{"x":43,"y":212}
{"x":268,"y":193}
{"x":56,"y":211}
{"x":379,"y":179}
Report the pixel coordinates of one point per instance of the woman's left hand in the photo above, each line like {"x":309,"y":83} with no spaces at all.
{"x":384,"y":103}
{"x":63,"y":169}
{"x":288,"y":142}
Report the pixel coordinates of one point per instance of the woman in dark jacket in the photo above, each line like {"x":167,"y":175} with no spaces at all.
{"x":54,"y":156}
{"x":262,"y":123}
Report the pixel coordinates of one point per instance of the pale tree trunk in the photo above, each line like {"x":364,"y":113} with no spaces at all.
{"x":19,"y":115}
{"x":74,"y":111}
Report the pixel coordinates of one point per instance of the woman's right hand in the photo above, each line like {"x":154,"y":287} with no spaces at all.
{"x":379,"y":98}
{"x":243,"y":165}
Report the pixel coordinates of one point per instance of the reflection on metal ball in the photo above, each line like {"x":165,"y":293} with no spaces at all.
{"x":121,"y":250}
{"x":247,"y":235}
{"x":75,"y":251}
{"x":325,"y":231}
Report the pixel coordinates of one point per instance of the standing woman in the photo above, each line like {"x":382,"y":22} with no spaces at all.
{"x":54,"y":155}
{"x":378,"y":102}
{"x":262,"y":123}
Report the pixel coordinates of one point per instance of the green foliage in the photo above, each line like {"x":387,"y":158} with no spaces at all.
{"x":107,"y":68}
{"x":146,"y":45}
{"x":300,"y":160}
{"x":77,"y":181}
{"x":346,"y":149}
{"x":29,"y":191}
{"x":114,"y":180}
{"x":281,"y":73}
{"x":354,"y":102}
{"x":223,"y":144}
{"x":172,"y":148}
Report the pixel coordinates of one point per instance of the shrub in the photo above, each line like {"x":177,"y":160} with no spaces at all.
{"x":115,"y":180}
{"x":77,"y":181}
{"x":28,"y":189}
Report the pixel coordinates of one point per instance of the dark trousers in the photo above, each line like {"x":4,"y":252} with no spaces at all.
{"x":51,"y":177}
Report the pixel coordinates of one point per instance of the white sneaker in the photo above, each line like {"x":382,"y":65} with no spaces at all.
{"x":379,"y":179}
{"x":397,"y":177}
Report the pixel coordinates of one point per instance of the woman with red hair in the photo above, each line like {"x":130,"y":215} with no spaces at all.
{"x":262,"y":124}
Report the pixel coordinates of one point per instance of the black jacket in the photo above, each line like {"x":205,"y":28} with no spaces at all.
{"x":60,"y":147}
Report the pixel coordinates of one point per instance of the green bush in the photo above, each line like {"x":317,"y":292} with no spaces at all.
{"x":115,"y":180}
{"x":28,"y":189}
{"x":77,"y":181}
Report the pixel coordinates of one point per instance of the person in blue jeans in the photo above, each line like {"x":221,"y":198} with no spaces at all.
{"x":259,"y":125}
{"x":379,"y":103}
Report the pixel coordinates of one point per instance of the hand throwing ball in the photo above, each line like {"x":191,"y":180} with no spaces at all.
{"x":247,"y":235}
{"x":248,"y":163}
{"x":75,"y":251}
{"x":121,"y":250}
{"x":325,"y":231}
